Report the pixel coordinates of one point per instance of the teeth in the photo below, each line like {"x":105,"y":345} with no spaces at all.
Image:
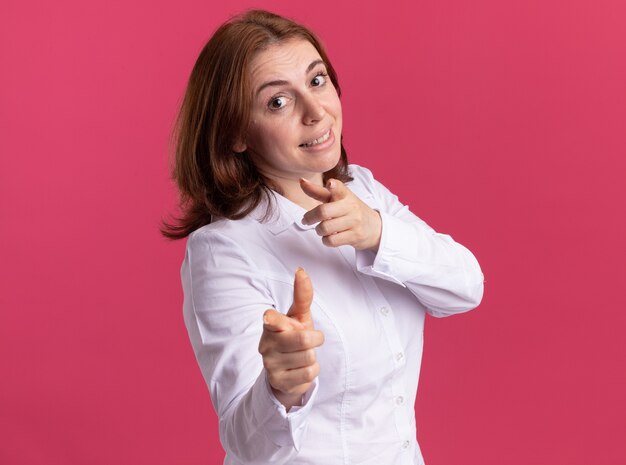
{"x":324,"y":138}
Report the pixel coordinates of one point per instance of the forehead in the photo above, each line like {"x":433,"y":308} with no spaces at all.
{"x":283,"y":59}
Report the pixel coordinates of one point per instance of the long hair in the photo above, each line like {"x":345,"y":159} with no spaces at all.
{"x":214,"y":181}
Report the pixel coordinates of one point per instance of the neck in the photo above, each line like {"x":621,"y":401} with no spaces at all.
{"x":291,"y":190}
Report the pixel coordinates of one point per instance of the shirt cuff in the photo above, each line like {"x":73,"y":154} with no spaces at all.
{"x":281,"y":427}
{"x":393,"y":261}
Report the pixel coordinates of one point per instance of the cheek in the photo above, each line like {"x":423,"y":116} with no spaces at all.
{"x":338,"y":117}
{"x":270,"y":137}
{"x":258,"y":134}
{"x":336,"y":105}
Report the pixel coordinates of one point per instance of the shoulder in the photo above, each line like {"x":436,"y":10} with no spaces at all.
{"x":248,"y":239}
{"x":221,"y":235}
{"x":372,"y":191}
{"x":364,"y":184}
{"x":262,"y":216}
{"x":360,"y":174}
{"x":219,"y":227}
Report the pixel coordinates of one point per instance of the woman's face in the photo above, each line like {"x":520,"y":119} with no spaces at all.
{"x":295,"y":124}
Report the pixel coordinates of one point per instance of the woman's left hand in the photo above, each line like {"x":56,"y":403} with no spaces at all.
{"x":343,"y":218}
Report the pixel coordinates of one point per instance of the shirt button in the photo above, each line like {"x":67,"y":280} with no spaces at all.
{"x":384,"y":310}
{"x":399,"y":356}
{"x":399,"y":400}
{"x":406,"y":444}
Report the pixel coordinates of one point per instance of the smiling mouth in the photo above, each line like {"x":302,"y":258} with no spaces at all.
{"x":317,"y":141}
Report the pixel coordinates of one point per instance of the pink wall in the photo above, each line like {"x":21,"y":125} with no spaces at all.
{"x":502,"y":123}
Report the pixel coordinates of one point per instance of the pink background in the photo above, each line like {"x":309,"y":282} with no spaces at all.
{"x":502,"y":123}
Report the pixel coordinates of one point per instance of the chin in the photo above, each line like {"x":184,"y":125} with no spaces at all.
{"x":330,"y":163}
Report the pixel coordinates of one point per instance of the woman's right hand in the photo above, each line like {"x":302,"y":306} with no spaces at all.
{"x":288,"y":344}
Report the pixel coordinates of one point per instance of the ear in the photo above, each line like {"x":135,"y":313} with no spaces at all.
{"x":239,"y":146}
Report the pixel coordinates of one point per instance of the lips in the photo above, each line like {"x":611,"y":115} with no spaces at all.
{"x":323,"y":137}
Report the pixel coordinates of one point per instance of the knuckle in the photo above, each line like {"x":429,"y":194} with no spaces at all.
{"x":304,"y":340}
{"x":333,"y":240}
{"x":306,"y":375}
{"x":321,"y":229}
{"x":309,"y":373}
{"x":309,"y":357}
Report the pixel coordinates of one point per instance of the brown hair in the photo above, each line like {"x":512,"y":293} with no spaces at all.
{"x":212,"y":179}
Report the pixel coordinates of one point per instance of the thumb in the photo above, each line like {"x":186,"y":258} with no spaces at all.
{"x":302,"y":298}
{"x":314,"y":191}
{"x":337,"y":189}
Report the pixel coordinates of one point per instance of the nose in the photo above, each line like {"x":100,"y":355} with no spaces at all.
{"x":313,"y":110}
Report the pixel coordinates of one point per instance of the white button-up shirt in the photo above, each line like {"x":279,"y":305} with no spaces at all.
{"x":370,"y":307}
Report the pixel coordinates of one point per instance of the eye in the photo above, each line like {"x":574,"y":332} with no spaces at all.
{"x":319,"y":79}
{"x":277,"y":103}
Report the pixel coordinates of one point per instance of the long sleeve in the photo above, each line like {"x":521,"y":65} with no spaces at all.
{"x":444,"y":276}
{"x":369,"y":306}
{"x":225,"y":297}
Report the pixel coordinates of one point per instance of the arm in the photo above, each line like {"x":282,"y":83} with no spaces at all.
{"x":442,"y":274}
{"x":225,"y":299}
{"x":395,"y":245}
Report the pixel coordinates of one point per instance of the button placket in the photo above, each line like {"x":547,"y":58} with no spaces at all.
{"x":387,"y":322}
{"x":397,"y":357}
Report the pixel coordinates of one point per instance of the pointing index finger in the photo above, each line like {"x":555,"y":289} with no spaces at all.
{"x":337,"y":189}
{"x":314,"y":191}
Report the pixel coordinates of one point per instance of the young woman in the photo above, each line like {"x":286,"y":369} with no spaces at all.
{"x":320,"y":367}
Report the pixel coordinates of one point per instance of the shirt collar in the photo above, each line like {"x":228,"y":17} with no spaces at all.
{"x":285,"y":213}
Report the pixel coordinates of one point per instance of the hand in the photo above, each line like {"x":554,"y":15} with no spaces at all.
{"x":343,"y":218}
{"x":288,"y":342}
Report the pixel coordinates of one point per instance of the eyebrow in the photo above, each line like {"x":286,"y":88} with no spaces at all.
{"x":282,"y":82}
